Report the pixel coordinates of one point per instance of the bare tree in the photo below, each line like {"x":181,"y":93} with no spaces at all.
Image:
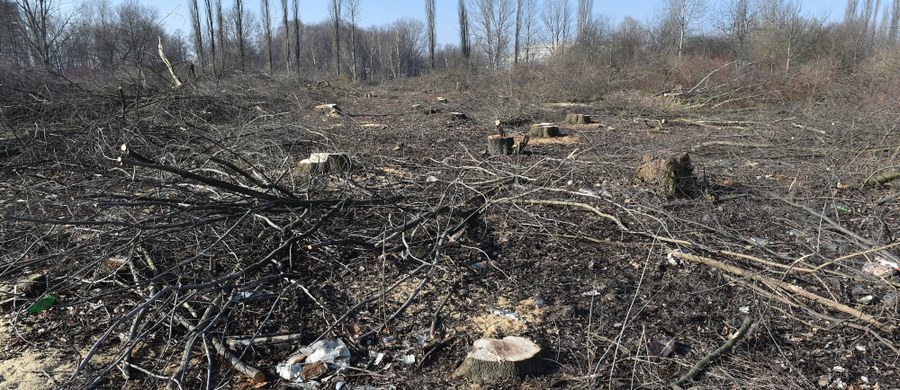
{"x":529,"y":16}
{"x":465,"y":43}
{"x":517,"y":31}
{"x":584,"y":17}
{"x":894,"y":31}
{"x":267,"y":32}
{"x":220,"y":24}
{"x":736,"y":20}
{"x":210,"y":28}
{"x":353,"y":19}
{"x":335,"y":11}
{"x":197,"y":28}
{"x":557,"y":21}
{"x":679,"y":16}
{"x":297,"y":35}
{"x":492,"y":28}
{"x":45,"y":31}
{"x":239,"y":31}
{"x":432,"y":41}
{"x":287,"y":36}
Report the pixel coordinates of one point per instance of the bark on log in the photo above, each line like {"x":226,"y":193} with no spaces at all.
{"x":494,"y":360}
{"x":543,"y":130}
{"x":672,"y":174}
{"x":499,"y":145}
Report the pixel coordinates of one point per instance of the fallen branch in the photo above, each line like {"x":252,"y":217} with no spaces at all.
{"x":797,"y":290}
{"x":725,"y":348}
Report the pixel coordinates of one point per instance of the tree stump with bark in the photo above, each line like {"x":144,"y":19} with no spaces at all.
{"x":329,"y":109}
{"x":578,"y":119}
{"x":494,"y":360}
{"x":458,"y":116}
{"x":499,"y":145}
{"x":672,"y":173}
{"x":543,"y":130}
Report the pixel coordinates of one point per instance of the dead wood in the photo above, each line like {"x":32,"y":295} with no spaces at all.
{"x":671,"y":173}
{"x":499,"y":145}
{"x":797,"y":290}
{"x":714,"y":355}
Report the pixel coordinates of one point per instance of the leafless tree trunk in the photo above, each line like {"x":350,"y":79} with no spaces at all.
{"x":465,"y":44}
{"x":198,"y":32}
{"x":211,"y":34}
{"x":529,"y":15}
{"x":585,"y":8}
{"x":267,"y":32}
{"x":297,"y":35}
{"x":287,"y":36}
{"x":680,"y":15}
{"x":220,"y":18}
{"x":557,"y":20}
{"x":518,"y":31}
{"x":894,"y":31}
{"x":239,"y":31}
{"x":335,"y":11}
{"x":353,"y":19}
{"x":432,"y":40}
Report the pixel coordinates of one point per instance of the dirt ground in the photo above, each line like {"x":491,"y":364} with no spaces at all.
{"x":199,"y":229}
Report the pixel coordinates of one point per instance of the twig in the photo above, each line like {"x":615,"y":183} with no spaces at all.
{"x":236,"y":362}
{"x":725,"y":348}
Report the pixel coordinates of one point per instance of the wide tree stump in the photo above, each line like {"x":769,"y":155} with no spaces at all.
{"x":543,"y":130}
{"x":321,"y":163}
{"x":672,"y":173}
{"x":499,"y":145}
{"x":578,"y":119}
{"x":494,"y":360}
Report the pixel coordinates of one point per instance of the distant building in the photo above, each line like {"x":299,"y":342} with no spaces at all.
{"x":13,"y":50}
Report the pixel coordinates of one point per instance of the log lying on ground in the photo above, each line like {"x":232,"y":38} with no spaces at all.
{"x":494,"y":360}
{"x":672,"y":173}
{"x":578,"y":119}
{"x":543,"y":130}
{"x":321,"y":163}
{"x":499,"y":145}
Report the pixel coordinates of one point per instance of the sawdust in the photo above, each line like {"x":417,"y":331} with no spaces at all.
{"x":31,"y":370}
{"x":508,"y":319}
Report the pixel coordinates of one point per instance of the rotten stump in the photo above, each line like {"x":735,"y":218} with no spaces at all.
{"x":672,"y":173}
{"x":499,"y":145}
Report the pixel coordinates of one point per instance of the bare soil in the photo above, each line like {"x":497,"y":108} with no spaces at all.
{"x":427,"y":244}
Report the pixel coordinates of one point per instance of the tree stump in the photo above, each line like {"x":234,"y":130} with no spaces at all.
{"x":494,"y":360}
{"x":330,"y":109}
{"x":543,"y":130}
{"x":578,"y":119}
{"x":499,"y":145}
{"x":458,"y":116}
{"x":672,"y":173}
{"x":321,"y":163}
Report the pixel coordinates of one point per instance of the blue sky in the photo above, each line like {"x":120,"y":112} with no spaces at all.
{"x":379,"y":12}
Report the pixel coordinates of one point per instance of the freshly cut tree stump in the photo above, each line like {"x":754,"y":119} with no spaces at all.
{"x":458,"y":116}
{"x":321,"y":163}
{"x":578,"y":119}
{"x":494,"y":360}
{"x":543,"y":130}
{"x":499,"y":145}
{"x":672,"y":173}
